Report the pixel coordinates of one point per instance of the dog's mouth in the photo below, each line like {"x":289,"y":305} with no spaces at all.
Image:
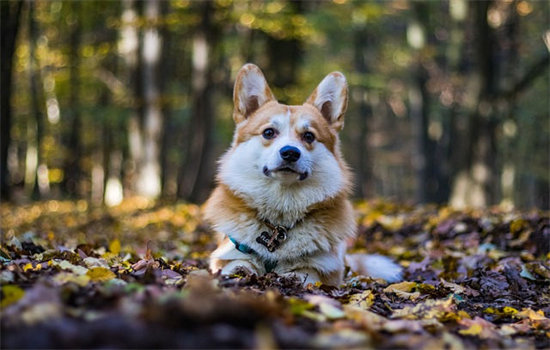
{"x":285,"y":170}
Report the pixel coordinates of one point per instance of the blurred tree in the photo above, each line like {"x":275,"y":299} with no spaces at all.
{"x":284,"y":51}
{"x":196,"y":173}
{"x":363,"y":169}
{"x":36,"y":178}
{"x":129,"y":48}
{"x":72,"y":138}
{"x":476,"y":169}
{"x":419,"y":104}
{"x":9,"y":22}
{"x":149,"y":173}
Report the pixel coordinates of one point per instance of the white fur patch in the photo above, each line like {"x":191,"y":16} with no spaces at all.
{"x":376,"y":266}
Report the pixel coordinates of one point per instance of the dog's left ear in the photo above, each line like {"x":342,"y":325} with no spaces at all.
{"x":250,"y":93}
{"x":331,"y":99}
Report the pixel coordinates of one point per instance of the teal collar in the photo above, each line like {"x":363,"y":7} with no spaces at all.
{"x":243,"y":248}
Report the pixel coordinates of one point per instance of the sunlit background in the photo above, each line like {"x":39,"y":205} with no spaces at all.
{"x":106,"y":100}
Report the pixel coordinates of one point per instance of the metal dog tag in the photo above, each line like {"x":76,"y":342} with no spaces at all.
{"x":272,"y":241}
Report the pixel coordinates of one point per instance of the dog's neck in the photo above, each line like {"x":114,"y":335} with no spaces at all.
{"x":282,"y":209}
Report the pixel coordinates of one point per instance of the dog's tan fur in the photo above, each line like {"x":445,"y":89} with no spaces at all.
{"x":316,"y":210}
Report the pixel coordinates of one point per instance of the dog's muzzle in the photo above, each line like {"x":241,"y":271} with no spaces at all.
{"x":286,"y":168}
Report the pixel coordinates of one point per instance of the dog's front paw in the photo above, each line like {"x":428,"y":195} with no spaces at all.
{"x":304,"y":276}
{"x":238,"y":266}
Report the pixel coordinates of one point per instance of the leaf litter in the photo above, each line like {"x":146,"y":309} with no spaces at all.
{"x":136,"y":276}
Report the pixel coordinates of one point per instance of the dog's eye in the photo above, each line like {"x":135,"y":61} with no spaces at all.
{"x":269,"y":133}
{"x":308,"y":137}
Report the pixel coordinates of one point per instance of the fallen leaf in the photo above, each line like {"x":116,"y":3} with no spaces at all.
{"x":403,"y":290}
{"x":95,"y":262}
{"x":439,"y":309}
{"x":474,"y":329}
{"x":531,"y":314}
{"x":363,"y":300}
{"x":331,"y":311}
{"x":11,"y":294}
{"x":65,"y":265}
{"x":100,"y":274}
{"x":367,"y":319}
{"x":114,"y":246}
{"x":458,"y":289}
{"x":67,"y":277}
{"x":479,"y":327}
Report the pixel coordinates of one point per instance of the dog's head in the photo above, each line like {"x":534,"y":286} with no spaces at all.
{"x":292,"y":149}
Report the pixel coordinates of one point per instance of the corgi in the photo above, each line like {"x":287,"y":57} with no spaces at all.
{"x":281,"y":203}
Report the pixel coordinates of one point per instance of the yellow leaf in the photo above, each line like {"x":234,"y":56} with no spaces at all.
{"x":364,"y":317}
{"x":27,"y":267}
{"x":100,"y":274}
{"x":531,"y":314}
{"x":363,"y":300}
{"x":516,"y":225}
{"x":391,"y":223}
{"x":439,"y":309}
{"x":509,"y":310}
{"x":474,"y":329}
{"x":114,"y":246}
{"x":403,"y":290}
{"x":11,"y":295}
{"x":402,"y":286}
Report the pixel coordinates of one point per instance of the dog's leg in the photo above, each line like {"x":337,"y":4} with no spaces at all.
{"x":229,"y":260}
{"x":233,"y":266}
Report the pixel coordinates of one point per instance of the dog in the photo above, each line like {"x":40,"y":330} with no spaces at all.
{"x":281,"y":202}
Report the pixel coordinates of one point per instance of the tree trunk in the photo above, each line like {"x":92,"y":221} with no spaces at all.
{"x":128,"y":48}
{"x":423,"y":160}
{"x":360,"y":132}
{"x":72,"y":168}
{"x":9,"y":22}
{"x":37,"y":171}
{"x":169,"y":132}
{"x":427,"y":170}
{"x":475,"y":173}
{"x":284,"y":56}
{"x":196,"y":174}
{"x":149,"y":173}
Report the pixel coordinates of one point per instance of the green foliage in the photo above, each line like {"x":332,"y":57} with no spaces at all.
{"x":368,"y":41}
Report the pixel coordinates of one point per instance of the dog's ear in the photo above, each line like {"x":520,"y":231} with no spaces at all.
{"x":330,"y":97}
{"x":250,"y":93}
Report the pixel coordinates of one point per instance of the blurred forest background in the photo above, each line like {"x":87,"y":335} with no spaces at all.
{"x":104,"y":100}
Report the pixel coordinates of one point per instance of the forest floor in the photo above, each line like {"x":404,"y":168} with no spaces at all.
{"x":136,"y":276}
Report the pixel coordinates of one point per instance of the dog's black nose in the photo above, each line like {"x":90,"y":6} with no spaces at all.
{"x":290,"y":153}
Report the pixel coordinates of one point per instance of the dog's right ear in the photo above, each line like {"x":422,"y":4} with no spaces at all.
{"x":250,"y":93}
